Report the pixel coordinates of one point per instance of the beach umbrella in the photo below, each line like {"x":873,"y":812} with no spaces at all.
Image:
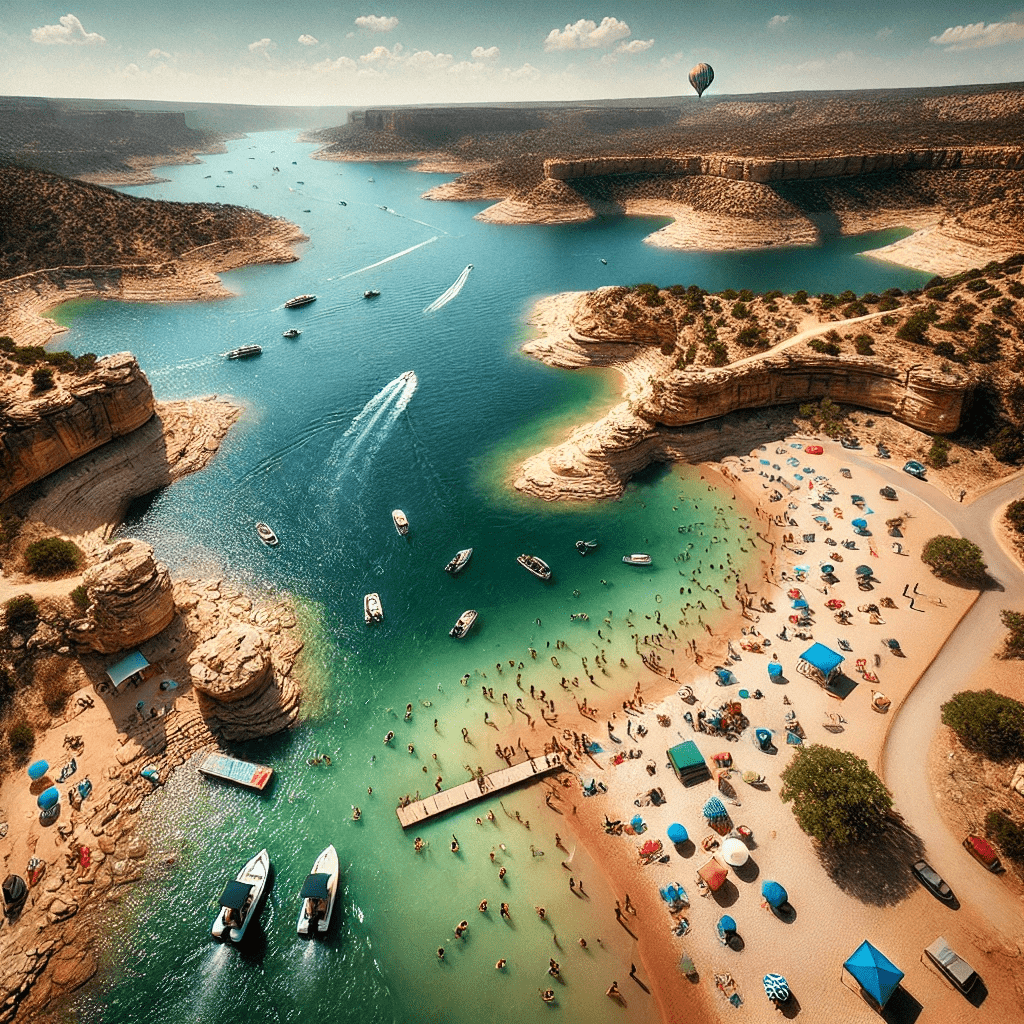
{"x":48,"y":798}
{"x":800,"y":603}
{"x":863,"y":570}
{"x":735,"y":853}
{"x":776,"y":987}
{"x":774,"y":670}
{"x":763,"y":738}
{"x":859,"y":524}
{"x":636,"y":821}
{"x":801,"y":568}
{"x":38,"y":769}
{"x":875,"y":972}
{"x":725,"y":676}
{"x":677,"y":833}
{"x":774,"y":894}
{"x":726,"y":928}
{"x":714,"y":809}
{"x":650,"y":848}
{"x":828,"y":568}
{"x":15,"y":890}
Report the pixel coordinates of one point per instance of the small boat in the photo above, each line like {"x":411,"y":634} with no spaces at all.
{"x":459,"y":562}
{"x":318,"y":894}
{"x":244,"y":352}
{"x":293,"y":333}
{"x":384,"y":208}
{"x":341,"y":202}
{"x":537,"y":566}
{"x":240,"y":899}
{"x":401,"y":522}
{"x":461,"y":628}
{"x":373,"y":610}
{"x":637,"y":559}
{"x":299,"y":300}
{"x":267,"y":535}
{"x":584,"y":546}
{"x":371,"y":293}
{"x":369,"y":179}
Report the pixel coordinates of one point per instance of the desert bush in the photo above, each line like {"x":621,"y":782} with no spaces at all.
{"x":955,"y":559}
{"x":938,"y":454}
{"x":80,"y":597}
{"x":42,"y":378}
{"x":740,"y":311}
{"x":1008,"y":446}
{"x":21,"y":610}
{"x":852,"y":309}
{"x":21,"y":738}
{"x":749,"y":336}
{"x":800,"y":298}
{"x":828,"y":348}
{"x":1013,"y":642}
{"x":10,"y":524}
{"x":1015,"y":515}
{"x":51,"y":682}
{"x":987,"y":722}
{"x":945,"y":349}
{"x":862,"y":345}
{"x":1006,"y":833}
{"x":52,"y":556}
{"x":719,"y":354}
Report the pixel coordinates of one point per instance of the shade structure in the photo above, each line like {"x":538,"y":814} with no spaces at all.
{"x":726,"y":926}
{"x":714,"y":809}
{"x":688,"y":762}
{"x":875,"y":973}
{"x":800,"y":603}
{"x":776,"y":987}
{"x":828,"y":568}
{"x":15,"y":889}
{"x":819,"y":663}
{"x":677,"y":833}
{"x":763,"y":738}
{"x":48,"y":798}
{"x":37,"y":769}
{"x":725,"y":676}
{"x":235,"y":894}
{"x":774,"y":894}
{"x":650,"y":848}
{"x":859,"y":524}
{"x":315,"y":887}
{"x":735,"y":853}
{"x":863,"y":570}
{"x":636,"y":821}
{"x":714,"y":873}
{"x":126,"y":668}
{"x":774,"y":670}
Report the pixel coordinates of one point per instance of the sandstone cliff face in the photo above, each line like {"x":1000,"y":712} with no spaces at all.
{"x":130,"y":596}
{"x":40,"y":434}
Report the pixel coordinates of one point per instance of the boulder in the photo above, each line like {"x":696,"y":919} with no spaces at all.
{"x":234,"y":665}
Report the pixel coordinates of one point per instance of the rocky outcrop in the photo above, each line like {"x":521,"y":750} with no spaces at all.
{"x":130,"y":598}
{"x":41,"y":434}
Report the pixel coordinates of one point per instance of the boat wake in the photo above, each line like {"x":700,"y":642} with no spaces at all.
{"x":387,"y":259}
{"x":445,"y":297}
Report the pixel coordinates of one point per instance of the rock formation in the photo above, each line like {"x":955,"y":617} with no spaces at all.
{"x":130,"y":598}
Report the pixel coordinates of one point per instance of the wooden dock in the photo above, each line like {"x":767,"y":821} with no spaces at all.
{"x":488,"y":785}
{"x":220,"y":766}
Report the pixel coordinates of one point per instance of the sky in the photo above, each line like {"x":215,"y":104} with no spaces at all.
{"x":332,"y":52}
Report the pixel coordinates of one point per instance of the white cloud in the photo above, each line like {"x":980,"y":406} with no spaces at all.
{"x":779,"y":19}
{"x":70,"y":30}
{"x":883,"y":33}
{"x":428,"y":61}
{"x":490,"y":53}
{"x":308,"y":40}
{"x":527,"y":71}
{"x":262,"y":46}
{"x":382,"y":55}
{"x":635,"y":46}
{"x":978,"y":35}
{"x":341,"y":64}
{"x":157,"y":54}
{"x":376,"y":22}
{"x":586,"y":35}
{"x":131,"y":70}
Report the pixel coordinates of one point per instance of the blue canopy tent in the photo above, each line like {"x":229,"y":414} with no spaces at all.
{"x":800,"y":602}
{"x":725,"y":677}
{"x":877,"y":976}
{"x":774,"y":894}
{"x":677,"y":833}
{"x":828,"y":569}
{"x":763,"y":739}
{"x":127,"y":667}
{"x":819,"y":663}
{"x":774,"y":670}
{"x":860,"y":526}
{"x":37,"y":769}
{"x":863,"y":570}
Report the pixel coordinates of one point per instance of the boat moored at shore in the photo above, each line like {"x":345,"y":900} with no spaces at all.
{"x":318,"y":894}
{"x":459,"y":562}
{"x":536,"y":566}
{"x":400,"y":521}
{"x":240,"y":899}
{"x":299,"y":300}
{"x":462,"y":627}
{"x":244,"y":352}
{"x":373,"y":610}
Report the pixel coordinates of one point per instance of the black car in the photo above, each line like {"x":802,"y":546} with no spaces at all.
{"x":932,"y":881}
{"x":849,"y":442}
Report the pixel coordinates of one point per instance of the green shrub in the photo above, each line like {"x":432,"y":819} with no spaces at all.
{"x":985,"y":347}
{"x":719,"y":354}
{"x":852,"y":309}
{"x":828,"y":348}
{"x":42,"y":378}
{"x":979,"y":284}
{"x":889,"y":319}
{"x":885,"y":303}
{"x":987,"y":722}
{"x":915,"y":328}
{"x":80,"y":597}
{"x":21,"y":610}
{"x":862,"y":345}
{"x":740,"y":311}
{"x":989,"y":293}
{"x":869,"y":298}
{"x":945,"y":349}
{"x":800,"y":298}
{"x":52,"y":556}
{"x":746,"y":295}
{"x":1008,"y":446}
{"x":714,"y":305}
{"x":938,"y":454}
{"x":1015,"y":515}
{"x":749,"y":336}
{"x":10,"y":524}
{"x":63,"y":360}
{"x":1004,"y":309}
{"x":827,"y":301}
{"x":1016,"y":289}
{"x":28,"y":354}
{"x":85,"y":362}
{"x":1013,"y":642}
{"x":7,"y":344}
{"x":1006,"y":833}
{"x":21,"y":738}
{"x":955,"y":559}
{"x":729,"y":294}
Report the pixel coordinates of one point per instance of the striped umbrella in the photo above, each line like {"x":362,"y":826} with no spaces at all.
{"x":776,"y":987}
{"x":714,"y":810}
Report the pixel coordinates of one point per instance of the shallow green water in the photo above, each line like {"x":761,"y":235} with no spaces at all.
{"x":331,"y":442}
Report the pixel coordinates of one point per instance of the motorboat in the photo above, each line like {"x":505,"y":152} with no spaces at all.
{"x":293,"y":333}
{"x":244,"y":352}
{"x":462,"y":627}
{"x":401,"y":522}
{"x":537,"y":566}
{"x":318,"y":894}
{"x":585,"y":546}
{"x":267,"y":535}
{"x":459,"y":562}
{"x":373,"y":610}
{"x":637,"y":559}
{"x":371,"y":293}
{"x":299,"y":300}
{"x":240,"y":899}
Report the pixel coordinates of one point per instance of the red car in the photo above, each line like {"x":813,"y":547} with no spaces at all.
{"x":814,"y":449}
{"x":982,"y":852}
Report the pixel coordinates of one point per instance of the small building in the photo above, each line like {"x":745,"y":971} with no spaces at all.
{"x":688,"y":763}
{"x":819,"y":663}
{"x":128,"y":669}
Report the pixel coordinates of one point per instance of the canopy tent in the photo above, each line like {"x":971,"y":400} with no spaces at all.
{"x":714,"y":873}
{"x":774,"y":894}
{"x":774,"y":670}
{"x":688,"y":763}
{"x":235,"y":894}
{"x":48,"y":798}
{"x":127,"y":667}
{"x":819,"y":663}
{"x":714,"y":810}
{"x":776,"y":988}
{"x":677,"y":833}
{"x":314,"y":888}
{"x":859,"y":524}
{"x":874,"y":972}
{"x":735,"y":853}
{"x":15,"y":890}
{"x":37,"y":769}
{"x":763,"y":739}
{"x":800,"y":602}
{"x":828,"y":569}
{"x":725,"y":676}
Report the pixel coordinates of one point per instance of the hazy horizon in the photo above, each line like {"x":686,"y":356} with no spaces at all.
{"x":402,"y":53}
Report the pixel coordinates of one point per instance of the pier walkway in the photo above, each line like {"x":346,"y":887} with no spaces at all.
{"x":487,"y":785}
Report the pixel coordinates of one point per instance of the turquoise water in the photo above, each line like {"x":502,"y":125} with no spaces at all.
{"x":332,"y":439}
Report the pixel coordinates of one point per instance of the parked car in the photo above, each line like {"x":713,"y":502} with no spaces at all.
{"x":932,"y":880}
{"x":888,"y":492}
{"x":954,"y":967}
{"x":850,"y":442}
{"x":814,"y":449}
{"x":914,"y":468}
{"x":982,"y":852}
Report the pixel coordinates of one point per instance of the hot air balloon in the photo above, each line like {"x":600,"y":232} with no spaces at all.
{"x":701,"y":77}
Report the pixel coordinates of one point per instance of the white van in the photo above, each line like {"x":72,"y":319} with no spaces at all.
{"x":954,"y":967}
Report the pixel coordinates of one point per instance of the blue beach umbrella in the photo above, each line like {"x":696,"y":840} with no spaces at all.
{"x":774,"y":894}
{"x":38,"y":769}
{"x":800,"y":603}
{"x":677,"y":833}
{"x":859,"y":524}
{"x":726,"y":928}
{"x":637,"y":822}
{"x":763,"y":738}
{"x":828,"y":568}
{"x":774,"y":670}
{"x":48,"y":798}
{"x":776,"y":987}
{"x":863,"y":570}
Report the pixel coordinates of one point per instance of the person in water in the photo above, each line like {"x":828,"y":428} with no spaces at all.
{"x":483,"y":907}
{"x":387,"y":739}
{"x":356,"y":813}
{"x":440,"y":952}
{"x":505,"y":912}
{"x":500,"y":965}
{"x":408,"y":712}
{"x":455,"y":844}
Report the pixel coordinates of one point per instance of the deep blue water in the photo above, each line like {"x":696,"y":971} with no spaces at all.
{"x":331,"y":441}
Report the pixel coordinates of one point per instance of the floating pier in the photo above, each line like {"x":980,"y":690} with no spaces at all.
{"x":245,"y":773}
{"x":485,"y":786}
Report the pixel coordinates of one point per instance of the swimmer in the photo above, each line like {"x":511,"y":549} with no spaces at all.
{"x":387,"y":739}
{"x":455,"y":844}
{"x":411,"y":748}
{"x":483,"y":907}
{"x":408,"y":712}
{"x":541,"y":913}
{"x":505,"y":912}
{"x":548,"y":995}
{"x":440,"y":952}
{"x":582,"y":942}
{"x":490,"y":815}
{"x":500,"y":965}
{"x":418,"y":844}
{"x":501,"y":872}
{"x":356,"y":814}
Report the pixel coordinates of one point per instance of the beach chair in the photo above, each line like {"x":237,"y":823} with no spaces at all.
{"x":687,"y":967}
{"x":880,"y":702}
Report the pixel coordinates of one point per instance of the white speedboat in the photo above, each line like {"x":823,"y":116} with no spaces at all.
{"x":293,"y":333}
{"x":462,"y":627}
{"x":244,"y":352}
{"x":537,"y":566}
{"x":240,"y":899}
{"x":459,"y":562}
{"x":373,"y":610}
{"x":299,"y":300}
{"x":585,"y":546}
{"x":267,"y":535}
{"x":318,"y":894}
{"x":371,"y":293}
{"x":637,"y":559}
{"x":401,"y":522}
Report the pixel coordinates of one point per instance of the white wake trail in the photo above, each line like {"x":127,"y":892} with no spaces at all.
{"x":387,"y":259}
{"x":445,"y":297}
